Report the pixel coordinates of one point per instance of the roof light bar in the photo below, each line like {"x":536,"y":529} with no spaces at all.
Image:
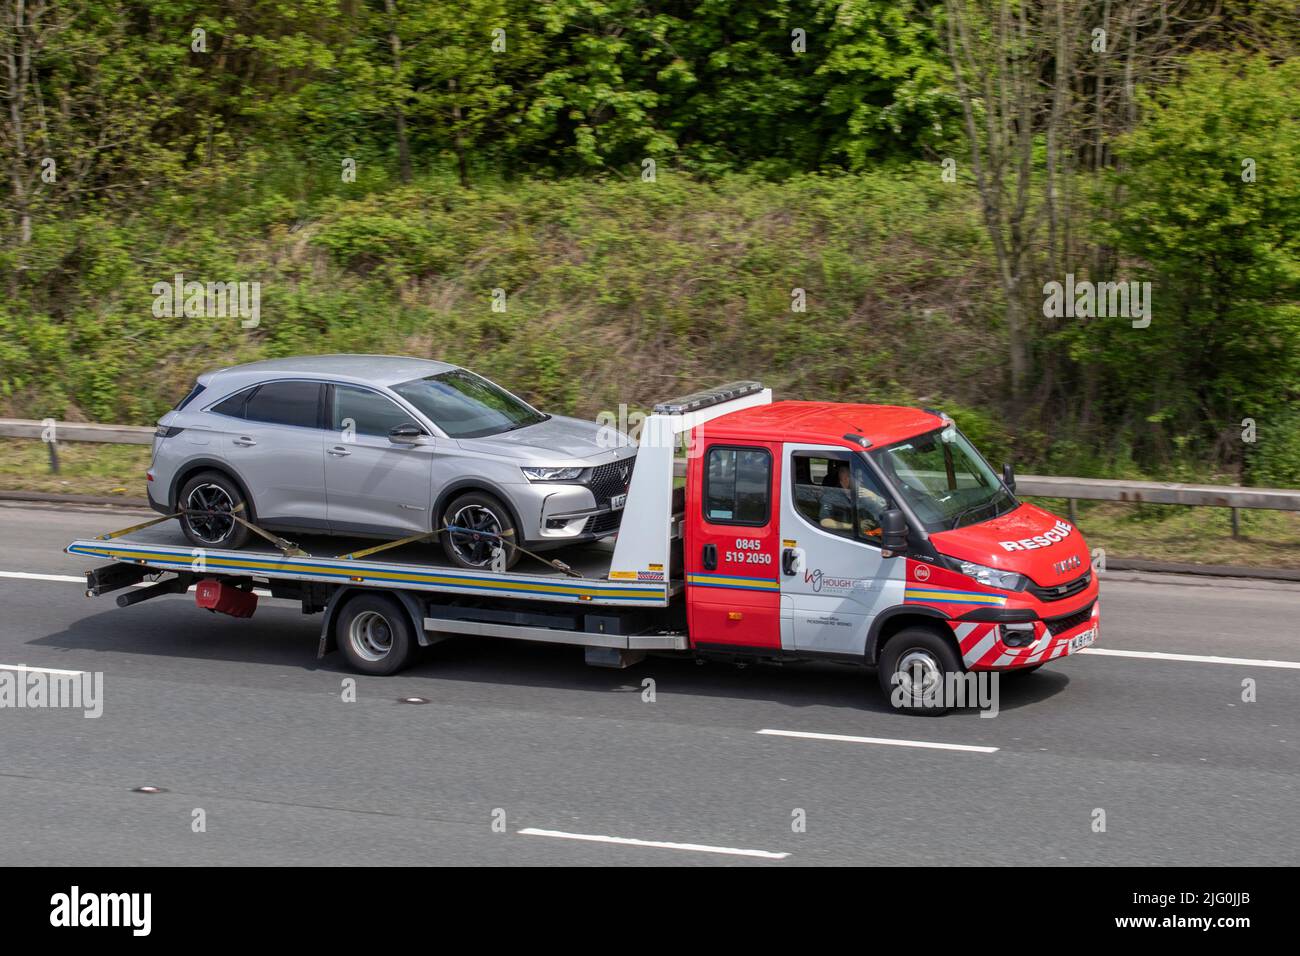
{"x":710,"y":396}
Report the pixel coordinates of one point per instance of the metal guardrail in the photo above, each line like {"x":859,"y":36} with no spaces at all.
{"x":1072,"y":489}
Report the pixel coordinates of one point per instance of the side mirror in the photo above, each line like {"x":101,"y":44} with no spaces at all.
{"x":406,"y":434}
{"x":1009,"y":477}
{"x":893,"y":530}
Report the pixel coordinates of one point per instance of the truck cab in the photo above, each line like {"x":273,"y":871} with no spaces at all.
{"x":874,"y":534}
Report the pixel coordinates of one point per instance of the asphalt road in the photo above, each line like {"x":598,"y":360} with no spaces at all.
{"x":239,"y":720}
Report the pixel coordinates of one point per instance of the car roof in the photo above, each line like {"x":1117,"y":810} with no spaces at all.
{"x":366,"y":369}
{"x":824,"y":423}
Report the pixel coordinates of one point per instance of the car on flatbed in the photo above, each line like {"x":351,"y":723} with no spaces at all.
{"x":387,"y":447}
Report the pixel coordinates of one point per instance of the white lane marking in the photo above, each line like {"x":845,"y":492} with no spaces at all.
{"x":75,"y":579}
{"x":39,"y":670}
{"x":659,"y":844}
{"x":28,"y":576}
{"x":1192,"y":658}
{"x":886,"y":741}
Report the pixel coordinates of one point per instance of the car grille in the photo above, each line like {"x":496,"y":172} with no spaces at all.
{"x":605,"y":523}
{"x":1059,"y":625}
{"x":1061,"y":591}
{"x":610,"y":480}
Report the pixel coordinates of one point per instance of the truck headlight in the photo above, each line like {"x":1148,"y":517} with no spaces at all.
{"x":553,"y":474}
{"x":992,"y":577}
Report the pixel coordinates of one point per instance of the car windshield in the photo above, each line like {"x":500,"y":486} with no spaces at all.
{"x":465,"y":405}
{"x":947,"y":483}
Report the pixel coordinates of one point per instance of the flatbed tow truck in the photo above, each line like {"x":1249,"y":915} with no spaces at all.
{"x":868,"y":535}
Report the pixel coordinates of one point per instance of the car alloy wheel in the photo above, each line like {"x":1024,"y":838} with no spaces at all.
{"x":475,"y":532}
{"x":208,"y":512}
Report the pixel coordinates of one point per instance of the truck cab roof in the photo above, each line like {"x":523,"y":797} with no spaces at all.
{"x":825,"y":423}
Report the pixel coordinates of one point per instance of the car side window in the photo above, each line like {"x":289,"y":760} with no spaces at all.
{"x":838,"y":494}
{"x":368,"y":412}
{"x":234,"y":405}
{"x":737,"y":486}
{"x":285,"y":403}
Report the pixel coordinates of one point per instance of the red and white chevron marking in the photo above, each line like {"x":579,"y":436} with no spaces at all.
{"x":982,"y":648}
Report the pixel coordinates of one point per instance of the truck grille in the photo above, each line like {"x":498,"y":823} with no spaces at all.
{"x":1059,"y":625}
{"x":610,"y":480}
{"x":1061,"y":591}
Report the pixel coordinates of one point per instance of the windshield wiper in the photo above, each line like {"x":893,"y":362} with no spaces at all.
{"x":956,"y":521}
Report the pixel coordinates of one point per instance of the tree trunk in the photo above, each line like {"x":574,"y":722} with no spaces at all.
{"x":399,"y":113}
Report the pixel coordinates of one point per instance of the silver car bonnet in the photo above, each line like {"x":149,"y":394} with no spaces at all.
{"x":555,"y":441}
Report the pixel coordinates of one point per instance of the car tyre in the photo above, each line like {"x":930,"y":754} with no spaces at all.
{"x":913,"y":671}
{"x":482,"y":524}
{"x":375,"y":634}
{"x":205,"y":498}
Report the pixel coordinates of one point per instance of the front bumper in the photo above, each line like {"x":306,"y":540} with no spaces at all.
{"x":984,"y":646}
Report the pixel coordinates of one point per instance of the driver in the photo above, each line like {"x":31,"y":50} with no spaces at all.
{"x":837,"y":503}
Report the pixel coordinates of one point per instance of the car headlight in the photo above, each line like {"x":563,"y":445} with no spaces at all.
{"x":992,"y":577}
{"x":553,"y":474}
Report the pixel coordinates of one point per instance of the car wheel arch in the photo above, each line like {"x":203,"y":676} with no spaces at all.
{"x":198,"y":465}
{"x":463,"y":485}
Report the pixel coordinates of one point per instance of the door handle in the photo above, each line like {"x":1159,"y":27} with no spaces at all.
{"x":243,"y":441}
{"x":339,"y":452}
{"x":709,"y":557}
{"x":788,"y":558}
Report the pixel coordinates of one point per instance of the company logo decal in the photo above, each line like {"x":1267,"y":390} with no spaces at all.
{"x":922,"y":573}
{"x":1058,"y":532}
{"x":1069,"y":564}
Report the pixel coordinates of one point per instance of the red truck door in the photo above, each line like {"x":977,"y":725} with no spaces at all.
{"x":733,"y":545}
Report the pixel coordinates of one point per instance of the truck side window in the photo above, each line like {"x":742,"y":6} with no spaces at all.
{"x":838,"y":495}
{"x":737,"y":486}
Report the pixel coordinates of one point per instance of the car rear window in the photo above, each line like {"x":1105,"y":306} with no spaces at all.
{"x":190,"y":396}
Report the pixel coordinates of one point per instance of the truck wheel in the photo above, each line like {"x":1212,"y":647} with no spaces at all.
{"x":483,"y":524}
{"x":207,"y":500}
{"x":375,"y":634}
{"x":913,"y":670}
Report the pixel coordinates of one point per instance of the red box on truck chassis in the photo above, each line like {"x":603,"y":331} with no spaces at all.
{"x":863,"y":534}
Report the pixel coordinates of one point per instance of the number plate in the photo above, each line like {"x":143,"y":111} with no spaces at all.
{"x":617,"y":502}
{"x":1080,"y":641}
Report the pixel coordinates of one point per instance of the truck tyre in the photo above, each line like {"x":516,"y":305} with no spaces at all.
{"x":207,"y":500}
{"x":374,"y":633}
{"x":483,"y":525}
{"x":913,"y":670}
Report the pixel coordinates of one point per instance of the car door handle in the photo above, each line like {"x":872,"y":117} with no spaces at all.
{"x":243,"y":441}
{"x":339,"y":452}
{"x":788,"y":558}
{"x":709,"y":557}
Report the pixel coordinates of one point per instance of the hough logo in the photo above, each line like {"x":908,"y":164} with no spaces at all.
{"x":74,"y":908}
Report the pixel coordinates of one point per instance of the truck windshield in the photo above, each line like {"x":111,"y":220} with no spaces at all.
{"x":947,"y":483}
{"x":465,"y":405}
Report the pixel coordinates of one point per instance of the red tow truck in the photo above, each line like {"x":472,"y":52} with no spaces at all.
{"x":869,"y":535}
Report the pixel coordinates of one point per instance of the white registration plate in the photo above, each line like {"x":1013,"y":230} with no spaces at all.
{"x":617,"y":502}
{"x":1080,"y":641}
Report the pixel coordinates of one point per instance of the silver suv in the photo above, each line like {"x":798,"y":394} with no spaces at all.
{"x":382,"y":446}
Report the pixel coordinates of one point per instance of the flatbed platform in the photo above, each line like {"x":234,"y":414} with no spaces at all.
{"x":415,"y":567}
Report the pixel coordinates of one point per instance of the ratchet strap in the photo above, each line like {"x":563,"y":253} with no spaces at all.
{"x":288,"y":548}
{"x":412,"y":539}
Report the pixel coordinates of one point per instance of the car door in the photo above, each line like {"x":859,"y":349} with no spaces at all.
{"x":731,"y":557}
{"x":834,"y":579}
{"x":373,"y":484}
{"x":278,"y":450}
